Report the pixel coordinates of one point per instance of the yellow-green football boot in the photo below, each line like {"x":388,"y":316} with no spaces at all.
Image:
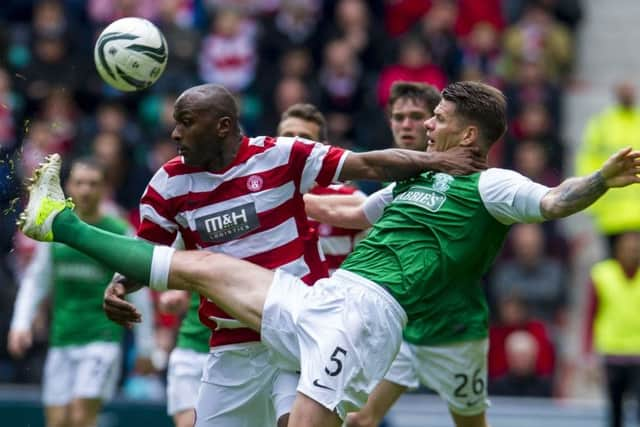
{"x":46,"y":200}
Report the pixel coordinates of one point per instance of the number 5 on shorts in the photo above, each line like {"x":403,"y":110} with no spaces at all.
{"x":337,"y":363}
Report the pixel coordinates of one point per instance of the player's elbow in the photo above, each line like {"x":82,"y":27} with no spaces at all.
{"x":551,"y":210}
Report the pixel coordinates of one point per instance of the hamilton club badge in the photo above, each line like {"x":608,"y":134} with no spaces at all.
{"x":254,"y":183}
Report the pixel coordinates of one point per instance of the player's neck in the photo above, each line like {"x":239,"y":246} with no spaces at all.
{"x":228,"y":153}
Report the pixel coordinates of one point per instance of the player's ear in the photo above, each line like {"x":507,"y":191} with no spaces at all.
{"x":470,"y":135}
{"x":223,"y":126}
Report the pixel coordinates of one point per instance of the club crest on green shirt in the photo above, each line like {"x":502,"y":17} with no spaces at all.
{"x":441,"y":182}
{"x":429,"y":197}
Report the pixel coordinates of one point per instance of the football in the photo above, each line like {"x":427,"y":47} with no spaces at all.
{"x":130,"y":54}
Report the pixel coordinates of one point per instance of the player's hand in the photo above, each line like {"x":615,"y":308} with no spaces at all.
{"x":622,"y":168}
{"x":117,"y":308}
{"x":173,"y":302}
{"x":461,"y":160}
{"x":19,"y":342}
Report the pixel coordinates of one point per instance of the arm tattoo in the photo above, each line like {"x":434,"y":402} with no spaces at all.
{"x":577,"y":191}
{"x":574,"y":195}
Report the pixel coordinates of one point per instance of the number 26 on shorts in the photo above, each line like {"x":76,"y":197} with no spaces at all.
{"x":477,"y":384}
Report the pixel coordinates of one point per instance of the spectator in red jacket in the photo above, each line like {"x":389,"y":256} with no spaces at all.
{"x":414,"y":64}
{"x":513,"y":316}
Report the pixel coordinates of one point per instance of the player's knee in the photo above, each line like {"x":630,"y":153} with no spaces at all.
{"x":361,"y":419}
{"x":203,"y":263}
{"x":184,"y":418}
{"x":58,"y":422}
{"x":478,"y":420}
{"x":82,"y":418}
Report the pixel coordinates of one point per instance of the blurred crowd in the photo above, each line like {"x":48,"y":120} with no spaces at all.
{"x":341,"y":55}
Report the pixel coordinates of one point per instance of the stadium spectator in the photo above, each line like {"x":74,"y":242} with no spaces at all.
{"x":10,"y":106}
{"x":481,"y":51}
{"x":531,"y":160}
{"x":568,"y":12}
{"x":183,"y":41}
{"x":521,"y":378}
{"x":538,"y":36}
{"x":354,"y":23}
{"x":531,"y":86}
{"x":228,"y":54}
{"x":614,"y":127}
{"x":293,"y":26}
{"x":287,"y":92}
{"x":513,"y":316}
{"x":535,"y":122}
{"x":110,"y":116}
{"x":613,"y":321}
{"x":436,"y":29}
{"x":48,"y":67}
{"x":340,"y":79}
{"x":538,"y":280}
{"x":472,"y":13}
{"x":125,"y":178}
{"x":414,"y":64}
{"x":402,"y":14}
{"x":60,"y":113}
{"x":103,"y":12}
{"x":37,"y":143}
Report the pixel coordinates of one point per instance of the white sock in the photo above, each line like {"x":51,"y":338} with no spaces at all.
{"x":160,"y":265}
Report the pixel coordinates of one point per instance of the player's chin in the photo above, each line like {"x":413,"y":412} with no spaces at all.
{"x":186,"y":158}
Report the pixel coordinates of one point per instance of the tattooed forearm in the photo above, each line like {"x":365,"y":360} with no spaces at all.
{"x":573,"y":195}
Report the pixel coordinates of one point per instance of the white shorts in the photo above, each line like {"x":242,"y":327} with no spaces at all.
{"x":184,"y":373}
{"x":457,"y":372}
{"x":342,"y":334}
{"x":89,"y":371}
{"x":240,"y":386}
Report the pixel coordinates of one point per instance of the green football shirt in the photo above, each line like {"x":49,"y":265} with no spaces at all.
{"x":437,"y":237}
{"x":193,"y":335}
{"x":78,"y":287}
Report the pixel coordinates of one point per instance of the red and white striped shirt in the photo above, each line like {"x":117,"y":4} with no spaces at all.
{"x":336,"y":242}
{"x":252,"y":209}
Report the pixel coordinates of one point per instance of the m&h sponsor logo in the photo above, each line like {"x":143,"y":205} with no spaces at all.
{"x":223,"y":226}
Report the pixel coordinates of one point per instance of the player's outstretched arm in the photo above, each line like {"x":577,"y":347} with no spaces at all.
{"x":395,"y":164}
{"x":576,"y":194}
{"x":336,"y":210}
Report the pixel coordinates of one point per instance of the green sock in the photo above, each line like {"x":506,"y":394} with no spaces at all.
{"x":128,"y":256}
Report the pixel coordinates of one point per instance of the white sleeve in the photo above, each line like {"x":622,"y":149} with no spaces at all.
{"x":375,"y":203}
{"x":34,"y":287}
{"x":511,"y":197}
{"x":143,"y":332}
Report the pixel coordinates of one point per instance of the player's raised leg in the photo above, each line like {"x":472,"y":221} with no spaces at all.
{"x":237,"y":286}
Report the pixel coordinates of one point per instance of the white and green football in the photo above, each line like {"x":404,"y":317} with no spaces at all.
{"x":131,"y":54}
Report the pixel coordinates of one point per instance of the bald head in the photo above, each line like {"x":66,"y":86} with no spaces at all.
{"x":207,"y":130}
{"x":212,"y":98}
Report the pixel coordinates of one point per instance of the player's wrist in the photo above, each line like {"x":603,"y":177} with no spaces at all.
{"x":600,"y":180}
